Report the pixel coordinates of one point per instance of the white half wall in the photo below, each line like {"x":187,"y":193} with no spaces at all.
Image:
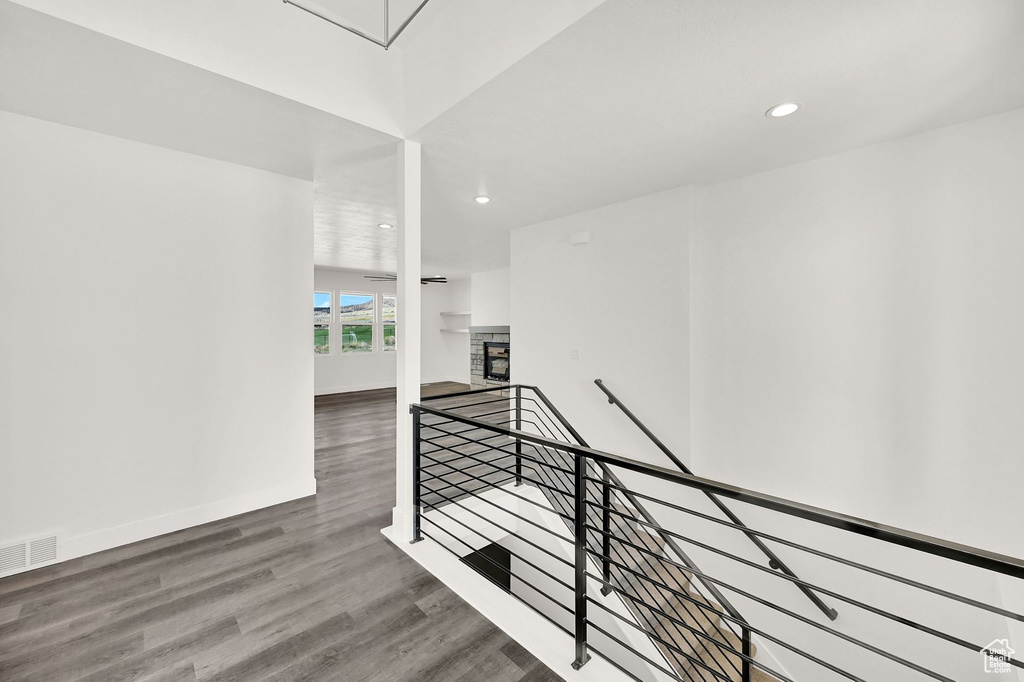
{"x":444,"y":355}
{"x":492,"y":298}
{"x":155,"y":369}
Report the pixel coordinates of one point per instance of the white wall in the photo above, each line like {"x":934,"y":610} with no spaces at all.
{"x":155,"y":368}
{"x":622,"y":300}
{"x":444,"y":356}
{"x":857,"y":325}
{"x":491,"y":298}
{"x":854,"y":325}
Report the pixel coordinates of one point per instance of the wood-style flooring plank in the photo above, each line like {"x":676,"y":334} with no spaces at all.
{"x":304,"y":590}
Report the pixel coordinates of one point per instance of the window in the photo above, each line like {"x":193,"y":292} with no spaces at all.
{"x":389,"y":309}
{"x":322,"y":322}
{"x":356,"y":314}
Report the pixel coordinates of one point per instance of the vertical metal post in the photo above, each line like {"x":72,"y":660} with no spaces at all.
{"x":581,"y":563}
{"x":519,"y":442}
{"x":606,"y":535}
{"x":416,"y":534}
{"x":746,"y":655}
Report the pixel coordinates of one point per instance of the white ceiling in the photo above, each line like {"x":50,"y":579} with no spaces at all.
{"x":55,"y":70}
{"x":365,"y":15}
{"x":61,"y":72}
{"x":634,"y":97}
{"x":643,"y":95}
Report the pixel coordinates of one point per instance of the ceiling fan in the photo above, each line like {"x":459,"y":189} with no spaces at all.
{"x":387,"y":277}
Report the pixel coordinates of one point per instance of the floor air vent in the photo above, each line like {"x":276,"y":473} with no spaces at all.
{"x":23,"y":555}
{"x":13,"y":558}
{"x":42,"y":550}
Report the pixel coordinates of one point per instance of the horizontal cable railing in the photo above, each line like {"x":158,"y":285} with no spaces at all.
{"x":618,"y":571}
{"x":559,"y":473}
{"x":774,"y":561}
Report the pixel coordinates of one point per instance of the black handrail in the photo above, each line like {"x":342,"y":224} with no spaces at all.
{"x":644,"y":593}
{"x":712,"y":589}
{"x":613,"y":481}
{"x":965,"y":554}
{"x":773,"y":560}
{"x":574,"y":459}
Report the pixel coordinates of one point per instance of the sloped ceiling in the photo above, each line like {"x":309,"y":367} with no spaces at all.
{"x":644,"y":95}
{"x":589,"y":103}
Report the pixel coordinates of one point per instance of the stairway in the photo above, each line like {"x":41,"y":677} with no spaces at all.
{"x":655,"y":590}
{"x":685,"y":626}
{"x":695,"y":631}
{"x":703,"y":633}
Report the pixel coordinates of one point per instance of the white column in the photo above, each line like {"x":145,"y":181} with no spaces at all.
{"x":408,"y":328}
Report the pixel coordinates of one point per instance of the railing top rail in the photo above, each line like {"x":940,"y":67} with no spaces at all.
{"x":966,"y":554}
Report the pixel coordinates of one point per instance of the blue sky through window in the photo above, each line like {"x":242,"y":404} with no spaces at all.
{"x":321,"y":300}
{"x":347,"y":300}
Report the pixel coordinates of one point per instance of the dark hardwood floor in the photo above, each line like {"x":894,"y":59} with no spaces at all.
{"x":307,"y":590}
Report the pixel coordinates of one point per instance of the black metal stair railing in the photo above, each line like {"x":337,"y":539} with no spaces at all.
{"x":774,"y":561}
{"x":613,"y":526}
{"x":555,"y":476}
{"x":701,"y":626}
{"x":469,"y":444}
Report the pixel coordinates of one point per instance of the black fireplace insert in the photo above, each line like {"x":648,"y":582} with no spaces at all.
{"x":496,"y":361}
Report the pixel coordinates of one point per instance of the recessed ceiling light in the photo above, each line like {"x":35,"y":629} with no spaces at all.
{"x":482,"y":200}
{"x":385,"y":226}
{"x":780,"y":110}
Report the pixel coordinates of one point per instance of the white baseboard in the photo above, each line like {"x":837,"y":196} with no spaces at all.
{"x":333,"y":390}
{"x":464,"y":380}
{"x":108,"y":538}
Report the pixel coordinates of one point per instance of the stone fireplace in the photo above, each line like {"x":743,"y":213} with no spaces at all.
{"x":489,"y":356}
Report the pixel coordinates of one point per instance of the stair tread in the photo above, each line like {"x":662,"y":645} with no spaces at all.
{"x":665,"y":580}
{"x":654,"y":600}
{"x":709,"y":652}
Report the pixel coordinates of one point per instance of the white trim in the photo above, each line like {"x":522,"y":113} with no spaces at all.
{"x":373,"y":323}
{"x":329,"y":324}
{"x":332,"y":390}
{"x":444,"y":380}
{"x":383,"y":322}
{"x":128,"y":533}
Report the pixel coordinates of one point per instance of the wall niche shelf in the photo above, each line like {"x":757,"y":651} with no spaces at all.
{"x":455,"y":313}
